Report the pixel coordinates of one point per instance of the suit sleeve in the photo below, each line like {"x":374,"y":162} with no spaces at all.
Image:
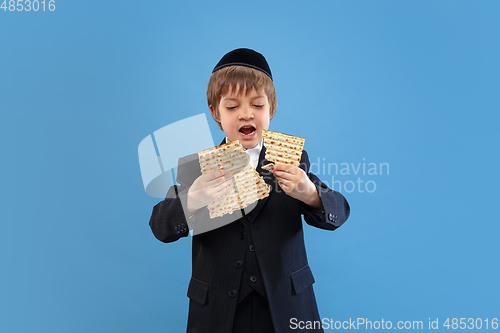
{"x":336,"y":208}
{"x":169,"y":220}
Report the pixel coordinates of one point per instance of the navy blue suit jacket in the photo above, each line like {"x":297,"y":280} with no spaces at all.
{"x":276,"y":226}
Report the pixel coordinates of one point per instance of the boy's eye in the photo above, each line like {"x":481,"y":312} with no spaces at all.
{"x":230,"y":107}
{"x":258,"y":106}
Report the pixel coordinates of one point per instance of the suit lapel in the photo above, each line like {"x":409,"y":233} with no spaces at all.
{"x":268,"y":178}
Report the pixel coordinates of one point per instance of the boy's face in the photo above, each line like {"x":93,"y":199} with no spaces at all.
{"x":243,"y":117}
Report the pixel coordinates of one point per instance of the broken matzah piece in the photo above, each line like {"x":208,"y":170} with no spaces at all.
{"x":282,"y":149}
{"x":247,"y":186}
{"x":229,"y":156}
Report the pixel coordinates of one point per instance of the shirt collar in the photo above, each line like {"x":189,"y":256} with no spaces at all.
{"x":253,"y":153}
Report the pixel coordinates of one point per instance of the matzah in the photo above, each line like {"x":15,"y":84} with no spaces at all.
{"x":282,"y":149}
{"x":247,"y":186}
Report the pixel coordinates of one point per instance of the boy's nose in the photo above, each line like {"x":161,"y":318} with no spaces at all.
{"x":246,"y":115}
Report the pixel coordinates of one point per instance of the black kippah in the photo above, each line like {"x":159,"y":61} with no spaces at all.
{"x":245,"y":57}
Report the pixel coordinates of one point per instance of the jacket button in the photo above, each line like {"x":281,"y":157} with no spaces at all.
{"x":232,"y":293}
{"x":242,"y":235}
{"x":238,"y":264}
{"x":252,"y":248}
{"x":253,"y":278}
{"x":330,"y":217}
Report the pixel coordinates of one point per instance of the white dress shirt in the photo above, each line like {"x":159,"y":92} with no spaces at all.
{"x":253,"y":153}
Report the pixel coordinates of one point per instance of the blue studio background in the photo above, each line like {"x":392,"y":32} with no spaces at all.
{"x":405,"y":93}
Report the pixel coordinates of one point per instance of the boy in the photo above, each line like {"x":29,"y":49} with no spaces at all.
{"x":250,"y":275}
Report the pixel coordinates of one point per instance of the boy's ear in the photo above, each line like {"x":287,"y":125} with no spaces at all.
{"x":274,"y":111}
{"x":213,"y":113}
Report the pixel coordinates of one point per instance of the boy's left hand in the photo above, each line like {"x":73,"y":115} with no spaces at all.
{"x":294,"y":181}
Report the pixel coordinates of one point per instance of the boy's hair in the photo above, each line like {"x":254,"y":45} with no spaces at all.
{"x":243,"y":78}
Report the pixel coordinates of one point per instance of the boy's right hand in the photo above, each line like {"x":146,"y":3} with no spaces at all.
{"x":206,"y":189}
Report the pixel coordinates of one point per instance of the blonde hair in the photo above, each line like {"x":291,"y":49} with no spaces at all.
{"x":243,"y":79}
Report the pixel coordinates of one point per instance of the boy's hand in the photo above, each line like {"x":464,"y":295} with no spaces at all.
{"x":206,"y":189}
{"x":294,"y":181}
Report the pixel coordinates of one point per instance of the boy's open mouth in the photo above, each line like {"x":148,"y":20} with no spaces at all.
{"x":247,"y":130}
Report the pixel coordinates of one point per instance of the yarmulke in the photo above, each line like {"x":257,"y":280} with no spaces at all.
{"x":245,"y":57}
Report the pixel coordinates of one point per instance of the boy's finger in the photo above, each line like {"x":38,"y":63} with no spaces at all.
{"x":222,"y":180}
{"x":216,"y":175}
{"x":212,"y":175}
{"x":284,"y":168}
{"x":283,"y":175}
{"x":284,"y":185}
{"x":222,"y":187}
